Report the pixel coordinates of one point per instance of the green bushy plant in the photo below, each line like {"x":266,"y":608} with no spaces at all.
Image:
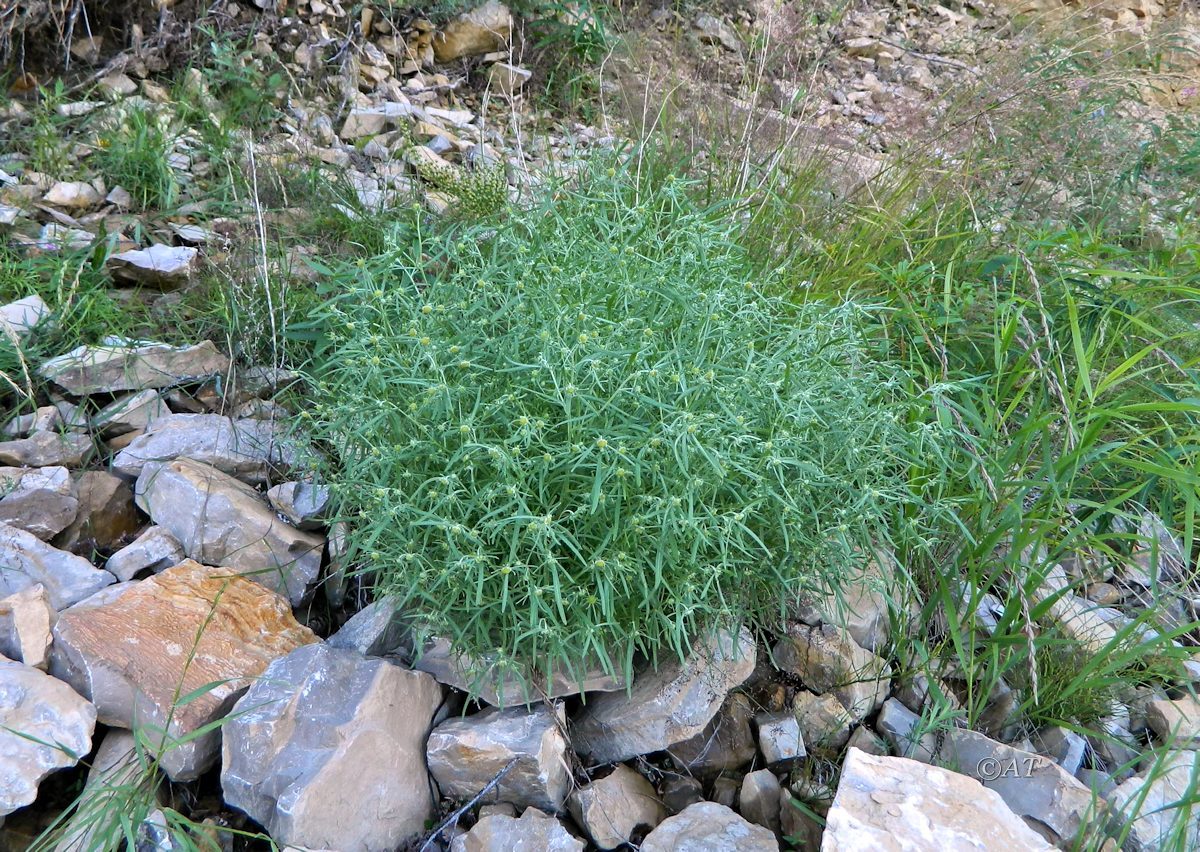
{"x":586,"y":433}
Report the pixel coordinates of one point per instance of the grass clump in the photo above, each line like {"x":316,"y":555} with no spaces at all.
{"x":586,"y":434}
{"x":136,"y":156}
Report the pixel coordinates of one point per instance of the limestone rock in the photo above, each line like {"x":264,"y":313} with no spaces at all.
{"x":28,"y":560}
{"x":1066,"y":747}
{"x":39,"y":501}
{"x":302,"y":503}
{"x":464,"y":754}
{"x":109,"y":369}
{"x":26,"y":619}
{"x":780,"y":738}
{"x":533,"y":831}
{"x":898,"y":725}
{"x":44,"y":726}
{"x":725,"y":745}
{"x":759,"y":799}
{"x":822,"y":719}
{"x":23,"y":315}
{"x":508,"y":79}
{"x":828,"y":660}
{"x":129,"y":412}
{"x":1176,"y":723}
{"x":375,"y":630}
{"x":323,"y":731}
{"x":221,"y":521}
{"x":712,"y":30}
{"x":501,"y":686}
{"x":47,"y":418}
{"x":164,"y":267}
{"x":482,"y":30}
{"x":106,"y":518}
{"x":72,"y":195}
{"x":667,"y":706}
{"x":246,"y":449}
{"x":47,"y":449}
{"x":154,"y":550}
{"x":709,"y":827}
{"x":1153,"y":804}
{"x":612,"y":808}
{"x":132,"y":650}
{"x":861,"y":607}
{"x":893,"y":804}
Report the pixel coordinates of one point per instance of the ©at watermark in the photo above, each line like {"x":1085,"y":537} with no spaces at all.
{"x":991,"y":768}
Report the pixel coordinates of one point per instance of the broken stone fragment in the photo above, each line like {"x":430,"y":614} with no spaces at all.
{"x":160,"y":266}
{"x":47,"y":449}
{"x":482,"y":30}
{"x":822,"y":719}
{"x":828,"y":660}
{"x":1176,"y":723}
{"x":612,"y":808}
{"x":375,"y":630}
{"x":44,"y":726}
{"x":897,"y":803}
{"x":1155,"y":803}
{"x":39,"y":501}
{"x":190,"y":631}
{"x":129,"y":412}
{"x":725,"y":745}
{"x":73,"y":195}
{"x":464,"y":754}
{"x":26,"y":619}
{"x":246,"y":449}
{"x":23,"y":315}
{"x":153,"y":551}
{"x":503,"y":833}
{"x":109,"y":369}
{"x":758,"y":799}
{"x":27,"y":560}
{"x":667,"y":706}
{"x":323,"y":731}
{"x":508,"y":79}
{"x":711,"y":827}
{"x":221,"y":521}
{"x":106,"y":518}
{"x":302,"y":503}
{"x":780,"y":738}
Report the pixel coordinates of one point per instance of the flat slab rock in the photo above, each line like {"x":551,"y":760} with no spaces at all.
{"x":612,"y":808}
{"x":26,"y":619}
{"x":322,"y":733}
{"x":44,"y":725}
{"x":47,"y":449}
{"x":221,"y":521}
{"x":667,"y":706}
{"x":39,"y":500}
{"x":829,"y":660}
{"x":533,"y":831}
{"x":709,"y":827}
{"x":28,"y":560}
{"x":894,"y":804}
{"x":109,"y":369}
{"x":133,"y":649}
{"x":245,"y":449}
{"x":161,"y":266}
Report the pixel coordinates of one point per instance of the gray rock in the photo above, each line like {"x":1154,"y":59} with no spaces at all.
{"x":302,"y":503}
{"x":712,"y":30}
{"x":508,"y":79}
{"x":221,"y":521}
{"x":725,"y":745}
{"x":375,"y":630}
{"x":828,"y":660}
{"x":47,"y":449}
{"x":724,"y":791}
{"x":482,"y":30}
{"x":118,"y":763}
{"x":779,"y":737}
{"x":822,"y":719}
{"x":1063,"y":746}
{"x":161,"y":266}
{"x":109,"y":369}
{"x":23,"y":315}
{"x":1154,"y":804}
{"x":27,"y":560}
{"x":533,"y":831}
{"x":611,"y":809}
{"x":1175,"y":723}
{"x":498,"y":684}
{"x":899,"y":726}
{"x":759,"y":799}
{"x":323,"y":731}
{"x":26,"y":619}
{"x":154,"y":550}
{"x":39,"y":501}
{"x":864,"y":739}
{"x":680,"y":792}
{"x":896,"y":803}
{"x":667,"y":706}
{"x":129,"y":412}
{"x":46,"y":418}
{"x":464,"y":754}
{"x":860,"y":606}
{"x":44,"y":725}
{"x":72,"y":195}
{"x":709,"y":827}
{"x":246,"y":449}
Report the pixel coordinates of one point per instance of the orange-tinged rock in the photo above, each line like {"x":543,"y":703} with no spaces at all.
{"x":145,"y":654}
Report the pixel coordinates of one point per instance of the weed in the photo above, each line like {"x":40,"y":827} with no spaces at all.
{"x":135,"y":154}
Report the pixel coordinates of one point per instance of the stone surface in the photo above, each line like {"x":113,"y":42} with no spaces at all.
{"x":828,"y":660}
{"x":1064,"y":746}
{"x":106,"y":518}
{"x":23,"y":315}
{"x":508,"y":79}
{"x":133,"y":649}
{"x":893,"y":804}
{"x":164,"y":267}
{"x":46,"y":418}
{"x":72,"y":195}
{"x":221,"y":521}
{"x":709,"y":827}
{"x":39,"y":501}
{"x":27,"y":560}
{"x":1151,"y":804}
{"x":109,"y":369}
{"x":861,"y":605}
{"x":725,"y":745}
{"x":44,"y":725}
{"x":533,"y":832}
{"x":780,"y":738}
{"x":679,"y":792}
{"x":1176,"y":723}
{"x":612,"y":808}
{"x":667,"y":706}
{"x":302,"y":503}
{"x":154,"y":550}
{"x":464,"y":754}
{"x":374,"y":630}
{"x":47,"y":449}
{"x":129,"y":412}
{"x":117,"y":764}
{"x":899,"y":727}
{"x":759,"y":799}
{"x":502,"y":687}
{"x":822,"y":719}
{"x":482,"y":30}
{"x":246,"y":449}
{"x":26,"y":619}
{"x":864,"y":739}
{"x":322,"y":732}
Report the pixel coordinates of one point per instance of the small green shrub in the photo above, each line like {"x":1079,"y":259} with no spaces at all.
{"x":135,"y":154}
{"x":585,"y":432}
